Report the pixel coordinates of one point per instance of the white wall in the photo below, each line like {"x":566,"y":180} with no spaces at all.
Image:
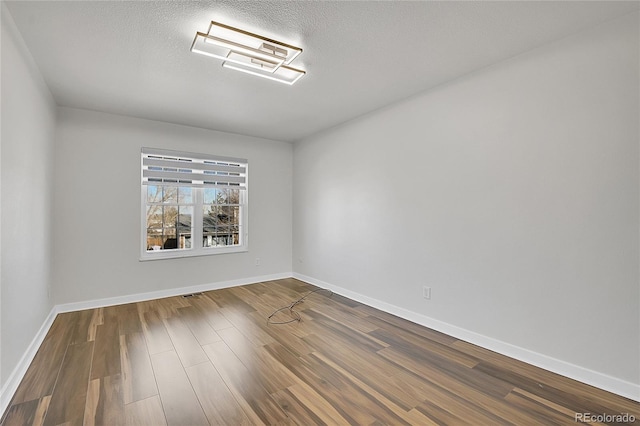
{"x":97,"y":207}
{"x":26,"y":172}
{"x":512,"y":192}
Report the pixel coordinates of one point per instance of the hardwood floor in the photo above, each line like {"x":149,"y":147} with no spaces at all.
{"x":213,"y":359}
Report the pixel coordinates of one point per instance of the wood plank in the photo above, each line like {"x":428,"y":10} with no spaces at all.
{"x":145,"y":412}
{"x":104,"y":405}
{"x":128,"y":319}
{"x":41,"y":411}
{"x":245,"y":388}
{"x":444,"y":406}
{"x":23,"y":413}
{"x":82,"y":324}
{"x":351,"y":394}
{"x":138,"y":381}
{"x":325,"y":342}
{"x":295,"y":409}
{"x":167,"y":307}
{"x":106,"y":357}
{"x":290,"y":284}
{"x":414,"y":332}
{"x":187,"y":346}
{"x":332,"y":391}
{"x":344,"y":333}
{"x":211,"y":312}
{"x":543,"y":412}
{"x":340,"y":315}
{"x":245,"y":324}
{"x":409,"y":342}
{"x":391,"y":322}
{"x":40,"y":378}
{"x":97,"y":318}
{"x":322,"y":408}
{"x":216,"y":399}
{"x":345,"y":302}
{"x":155,"y":333}
{"x":391,"y":404}
{"x":70,"y":393}
{"x":291,"y":337}
{"x":547,"y":378}
{"x":449,"y":392}
{"x":255,"y":296}
{"x":375,"y":375}
{"x":440,"y":415}
{"x":197,"y":323}
{"x":226,"y":299}
{"x":179,"y":401}
{"x":547,"y":391}
{"x":273,"y":376}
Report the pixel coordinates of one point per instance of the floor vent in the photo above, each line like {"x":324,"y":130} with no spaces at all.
{"x":191,"y":295}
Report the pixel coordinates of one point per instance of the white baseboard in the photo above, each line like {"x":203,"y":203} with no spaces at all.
{"x":581,"y":374}
{"x":11,"y":385}
{"x":139,"y":297}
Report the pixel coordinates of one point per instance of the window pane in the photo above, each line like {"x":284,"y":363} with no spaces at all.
{"x":234,"y":196}
{"x":170,"y":216}
{"x":185,"y":195}
{"x":222,"y":196}
{"x":223,"y":231}
{"x":154,"y":194}
{"x":185,"y":218}
{"x":154,"y":238}
{"x":207,"y":212}
{"x":169,"y":239}
{"x":234,"y":214}
{"x":170,"y":194}
{"x":154,"y":217}
{"x":209,"y":195}
{"x":208,"y":222}
{"x":214,"y":214}
{"x":224,"y":215}
{"x":184,"y":239}
{"x":223,"y":235}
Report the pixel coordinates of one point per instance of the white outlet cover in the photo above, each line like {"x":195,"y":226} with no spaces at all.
{"x":426,"y":292}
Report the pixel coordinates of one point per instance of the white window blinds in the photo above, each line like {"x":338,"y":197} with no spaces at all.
{"x":166,"y":167}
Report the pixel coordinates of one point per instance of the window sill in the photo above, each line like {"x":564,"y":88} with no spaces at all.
{"x":177,"y":254}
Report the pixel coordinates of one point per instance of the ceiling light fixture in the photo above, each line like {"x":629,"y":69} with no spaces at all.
{"x":249,"y":53}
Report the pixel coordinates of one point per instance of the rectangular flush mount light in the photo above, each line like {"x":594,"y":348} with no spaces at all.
{"x":249,"y":53}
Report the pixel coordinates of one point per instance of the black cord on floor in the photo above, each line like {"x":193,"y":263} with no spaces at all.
{"x":295,"y":316}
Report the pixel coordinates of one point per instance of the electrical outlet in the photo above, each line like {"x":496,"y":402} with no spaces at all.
{"x":257,"y":261}
{"x":426,"y":292}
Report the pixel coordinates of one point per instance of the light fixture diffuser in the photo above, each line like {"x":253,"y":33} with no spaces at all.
{"x":219,"y":48}
{"x":282,"y":74}
{"x":250,"y":53}
{"x":246,"y":38}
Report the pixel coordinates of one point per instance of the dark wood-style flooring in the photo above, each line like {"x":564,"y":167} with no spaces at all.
{"x":213,"y":359}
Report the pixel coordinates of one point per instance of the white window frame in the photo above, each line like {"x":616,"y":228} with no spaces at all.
{"x":198,"y":187}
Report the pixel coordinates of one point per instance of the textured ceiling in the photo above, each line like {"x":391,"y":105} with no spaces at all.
{"x":132,"y":58}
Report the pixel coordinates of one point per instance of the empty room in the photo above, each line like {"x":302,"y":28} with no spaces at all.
{"x":328,"y":212}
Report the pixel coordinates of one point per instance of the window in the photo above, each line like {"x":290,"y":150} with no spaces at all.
{"x":192,"y":204}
